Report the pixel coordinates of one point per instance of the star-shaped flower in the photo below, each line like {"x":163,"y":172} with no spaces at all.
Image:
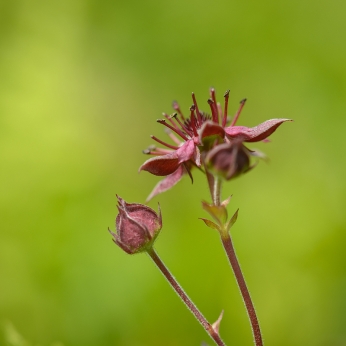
{"x":205,"y":142}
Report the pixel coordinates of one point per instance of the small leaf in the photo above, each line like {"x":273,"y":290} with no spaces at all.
{"x":232,"y":221}
{"x":211,"y":224}
{"x":219,"y":213}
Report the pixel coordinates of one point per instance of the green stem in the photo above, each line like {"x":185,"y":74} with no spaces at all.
{"x":217,"y":191}
{"x":183,"y":296}
{"x":228,"y":246}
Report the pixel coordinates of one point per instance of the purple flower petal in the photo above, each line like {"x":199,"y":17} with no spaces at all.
{"x":210,"y":128}
{"x":168,"y":164}
{"x":167,"y":182}
{"x":254,"y":134}
{"x":161,"y":165}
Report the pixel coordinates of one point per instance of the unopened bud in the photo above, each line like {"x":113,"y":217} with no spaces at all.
{"x":137,"y":227}
{"x":229,"y":160}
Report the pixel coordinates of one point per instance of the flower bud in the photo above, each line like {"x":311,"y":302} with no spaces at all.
{"x":137,"y":227}
{"x":229,"y":160}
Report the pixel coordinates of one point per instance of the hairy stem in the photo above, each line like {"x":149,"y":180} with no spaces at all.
{"x":183,"y":296}
{"x":228,"y":246}
{"x":214,"y":184}
{"x":217,"y":191}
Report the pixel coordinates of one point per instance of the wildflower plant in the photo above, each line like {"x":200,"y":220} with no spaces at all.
{"x":213,"y":144}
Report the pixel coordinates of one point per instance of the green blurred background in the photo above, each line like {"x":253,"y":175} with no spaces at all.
{"x":81,"y":85}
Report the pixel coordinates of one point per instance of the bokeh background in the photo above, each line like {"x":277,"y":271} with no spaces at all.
{"x":81,"y":85}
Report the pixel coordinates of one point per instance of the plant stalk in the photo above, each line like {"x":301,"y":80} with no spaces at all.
{"x":183,"y":296}
{"x":228,"y":246}
{"x":217,"y":191}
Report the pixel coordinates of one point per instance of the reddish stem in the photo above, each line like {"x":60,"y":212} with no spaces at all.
{"x":228,"y":246}
{"x":190,"y":305}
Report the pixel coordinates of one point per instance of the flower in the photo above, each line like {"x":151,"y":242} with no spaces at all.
{"x":205,"y":140}
{"x":137,"y":227}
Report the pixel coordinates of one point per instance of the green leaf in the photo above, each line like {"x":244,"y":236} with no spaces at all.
{"x":219,"y":213}
{"x":232,"y":221}
{"x":211,"y":224}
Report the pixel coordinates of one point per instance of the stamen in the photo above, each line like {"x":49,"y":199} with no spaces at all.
{"x":168,"y":117}
{"x":177,"y":131}
{"x":183,"y":127}
{"x":213,"y":97}
{"x":164,"y":143}
{"x":199,"y":119}
{"x":177,"y":108}
{"x":193,"y":120}
{"x":242,"y":103}
{"x":160,"y":152}
{"x":213,"y":110}
{"x":149,"y":149}
{"x":172,"y":136}
{"x":152,"y":150}
{"x":219,"y":109}
{"x":224,"y":119}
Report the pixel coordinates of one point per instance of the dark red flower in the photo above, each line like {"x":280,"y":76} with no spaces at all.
{"x":137,"y":227}
{"x":200,"y":135}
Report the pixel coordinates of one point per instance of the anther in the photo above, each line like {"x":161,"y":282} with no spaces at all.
{"x":193,"y":120}
{"x":170,"y":118}
{"x":213,"y":110}
{"x":176,"y":130}
{"x":199,"y":119}
{"x":213,"y":97}
{"x":224,"y":120}
{"x":183,"y":127}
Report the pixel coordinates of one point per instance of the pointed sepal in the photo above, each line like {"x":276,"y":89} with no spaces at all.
{"x":226,"y":201}
{"x":254,"y":134}
{"x":211,"y":224}
{"x":232,"y":221}
{"x":219,"y":213}
{"x":167,"y":183}
{"x":216,"y":324}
